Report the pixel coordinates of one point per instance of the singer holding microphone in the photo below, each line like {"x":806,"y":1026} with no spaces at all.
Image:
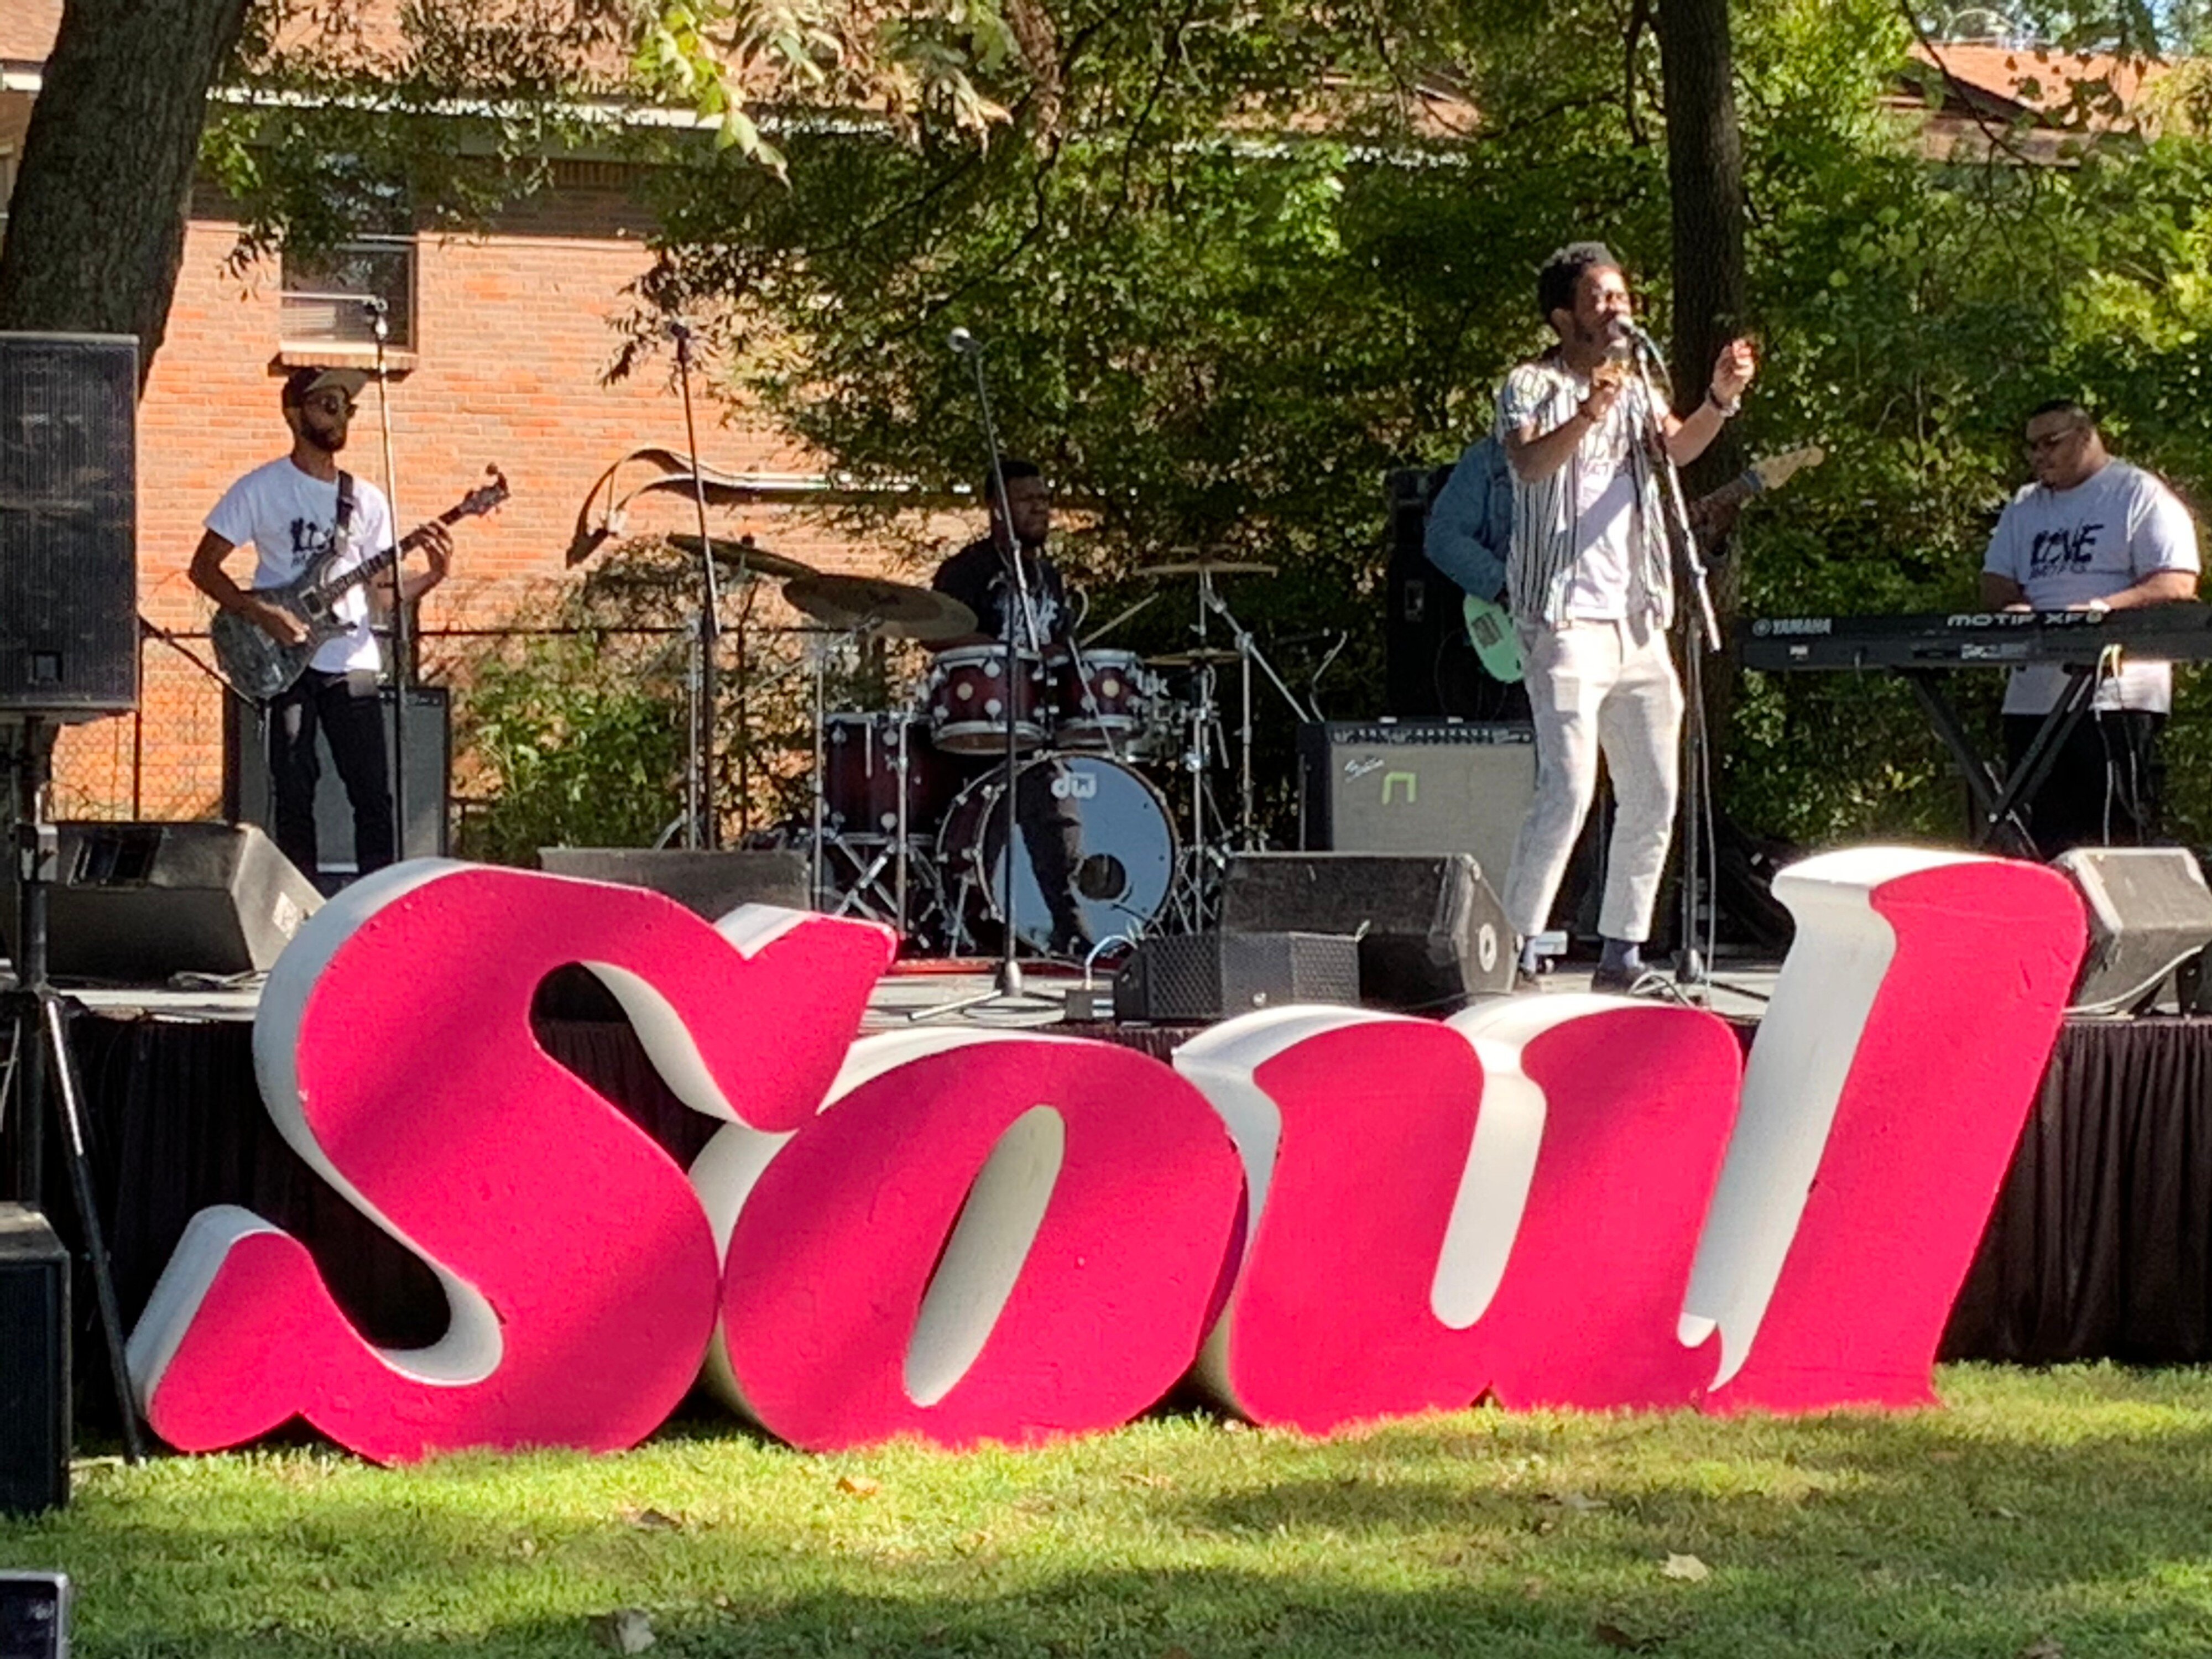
{"x":1589,"y":583}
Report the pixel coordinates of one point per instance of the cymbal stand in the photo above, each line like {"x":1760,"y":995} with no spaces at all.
{"x":41,"y":1051}
{"x":1248,"y":653}
{"x":703,"y":825}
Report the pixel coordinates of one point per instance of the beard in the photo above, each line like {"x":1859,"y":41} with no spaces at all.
{"x":329,"y":440}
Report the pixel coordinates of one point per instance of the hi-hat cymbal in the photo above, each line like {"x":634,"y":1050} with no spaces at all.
{"x":1207,"y":565}
{"x":870,"y":605}
{"x":774,"y":566}
{"x":1197,"y":657}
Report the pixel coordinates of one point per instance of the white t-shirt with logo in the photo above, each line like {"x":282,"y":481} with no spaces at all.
{"x":2064,"y":547}
{"x":288,"y":517}
{"x":1605,"y":520}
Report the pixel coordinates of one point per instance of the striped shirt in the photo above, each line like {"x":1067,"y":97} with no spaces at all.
{"x":1540,"y":568}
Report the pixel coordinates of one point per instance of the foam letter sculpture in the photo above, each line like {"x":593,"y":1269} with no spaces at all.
{"x":1883,"y":1095}
{"x":1509,"y":1203}
{"x":982,"y":1238}
{"x":394,"y":1051}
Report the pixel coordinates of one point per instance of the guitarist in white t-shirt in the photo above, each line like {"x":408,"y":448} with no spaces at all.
{"x":289,"y":511}
{"x":2092,"y":533}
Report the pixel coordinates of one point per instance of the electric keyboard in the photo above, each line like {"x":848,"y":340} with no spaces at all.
{"x":1978,"y":639}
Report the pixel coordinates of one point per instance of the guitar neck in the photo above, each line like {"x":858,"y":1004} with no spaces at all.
{"x":377,"y":564}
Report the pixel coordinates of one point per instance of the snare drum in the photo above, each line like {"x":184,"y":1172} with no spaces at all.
{"x":866,"y":760}
{"x":967,"y":700}
{"x":1102,"y":701}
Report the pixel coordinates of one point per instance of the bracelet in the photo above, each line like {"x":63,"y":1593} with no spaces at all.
{"x":1728,"y":411}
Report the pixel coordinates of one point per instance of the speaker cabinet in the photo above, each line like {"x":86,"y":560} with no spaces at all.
{"x":1432,"y":933}
{"x":711,"y":884}
{"x":1192,"y":978}
{"x":137,"y":903}
{"x":2150,"y":911}
{"x":247,"y":797}
{"x":68,"y":541}
{"x":34,"y":1364}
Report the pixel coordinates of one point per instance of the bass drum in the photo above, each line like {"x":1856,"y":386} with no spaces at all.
{"x":1120,"y":845}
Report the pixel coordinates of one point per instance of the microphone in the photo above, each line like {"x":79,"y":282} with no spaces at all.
{"x":962,"y":342}
{"x":373,"y":305}
{"x":679,"y":330}
{"x":1628,"y":330}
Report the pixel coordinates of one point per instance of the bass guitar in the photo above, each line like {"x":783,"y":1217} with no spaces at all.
{"x":1490,"y":630}
{"x":260,"y":666}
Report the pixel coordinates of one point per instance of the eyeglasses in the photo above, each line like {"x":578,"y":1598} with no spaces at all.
{"x":2037,"y":443}
{"x":330,"y":403}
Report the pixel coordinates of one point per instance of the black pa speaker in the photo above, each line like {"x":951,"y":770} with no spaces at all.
{"x":711,"y":884}
{"x":2150,"y":910}
{"x":34,"y":1615}
{"x":248,"y":798}
{"x":1432,"y":933}
{"x":69,"y":515}
{"x":34,"y":1364}
{"x":137,"y":903}
{"x":1190,"y":978}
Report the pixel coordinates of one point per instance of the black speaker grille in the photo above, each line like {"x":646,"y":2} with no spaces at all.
{"x":68,"y":492}
{"x":34,"y":1415}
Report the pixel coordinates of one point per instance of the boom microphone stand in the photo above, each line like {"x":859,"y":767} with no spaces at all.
{"x":1007,"y":987}
{"x":403,"y":629}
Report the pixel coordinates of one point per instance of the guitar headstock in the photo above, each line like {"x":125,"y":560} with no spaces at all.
{"x":1780,"y":469}
{"x":484,"y":497}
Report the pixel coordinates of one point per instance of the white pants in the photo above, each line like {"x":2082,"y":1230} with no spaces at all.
{"x":1596,"y":687}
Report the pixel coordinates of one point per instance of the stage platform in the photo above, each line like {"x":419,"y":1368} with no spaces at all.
{"x":2101,"y":1244}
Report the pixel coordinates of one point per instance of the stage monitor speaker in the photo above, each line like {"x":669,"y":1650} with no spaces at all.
{"x":34,"y":1364}
{"x":69,"y":516}
{"x":710,"y":883}
{"x":34,"y":1615}
{"x":137,"y":903}
{"x":247,"y":797}
{"x":1432,"y":933}
{"x":1193,"y":978}
{"x":2150,"y":910}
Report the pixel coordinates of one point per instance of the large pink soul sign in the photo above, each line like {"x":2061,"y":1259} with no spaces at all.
{"x":1327,"y":1216}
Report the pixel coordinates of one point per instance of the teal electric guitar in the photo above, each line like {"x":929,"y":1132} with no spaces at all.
{"x":260,"y":666}
{"x":1490,"y":630}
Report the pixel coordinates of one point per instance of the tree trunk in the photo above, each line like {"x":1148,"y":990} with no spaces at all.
{"x":1705,"y":175}
{"x":96,"y":228}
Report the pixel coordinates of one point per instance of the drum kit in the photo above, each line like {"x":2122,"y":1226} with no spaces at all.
{"x":908,"y":823}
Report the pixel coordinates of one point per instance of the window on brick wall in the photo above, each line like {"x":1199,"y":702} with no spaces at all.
{"x":324,"y":293}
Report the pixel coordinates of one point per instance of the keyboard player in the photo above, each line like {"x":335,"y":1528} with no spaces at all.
{"x":2091,"y":531}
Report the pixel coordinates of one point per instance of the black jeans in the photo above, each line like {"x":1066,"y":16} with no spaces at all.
{"x":349,"y":711}
{"x":2104,"y":787}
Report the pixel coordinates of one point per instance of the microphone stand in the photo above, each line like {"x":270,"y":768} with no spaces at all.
{"x":403,"y":632}
{"x":1701,"y":633}
{"x":701,"y":829}
{"x":1008,"y":986}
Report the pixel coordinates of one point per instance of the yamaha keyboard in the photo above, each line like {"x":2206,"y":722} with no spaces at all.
{"x":1978,"y":639}
{"x":1920,"y":649}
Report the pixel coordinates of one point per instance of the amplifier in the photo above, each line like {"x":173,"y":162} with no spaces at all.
{"x":1191,"y":977}
{"x":248,"y":795}
{"x":1430,"y":787}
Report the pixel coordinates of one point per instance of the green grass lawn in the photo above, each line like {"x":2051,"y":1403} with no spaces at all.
{"x":2041,"y":1513}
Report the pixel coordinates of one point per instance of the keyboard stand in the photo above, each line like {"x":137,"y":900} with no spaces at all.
{"x":1997,"y":800}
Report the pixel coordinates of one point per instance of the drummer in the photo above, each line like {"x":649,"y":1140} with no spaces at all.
{"x":981,"y":576}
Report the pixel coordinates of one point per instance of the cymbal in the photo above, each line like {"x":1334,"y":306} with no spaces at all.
{"x":1198,"y":657}
{"x":867,"y":605}
{"x":1207,"y":565}
{"x":774,"y":566}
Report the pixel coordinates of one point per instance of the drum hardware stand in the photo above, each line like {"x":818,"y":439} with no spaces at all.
{"x":1701,"y":634}
{"x":402,"y":628}
{"x":866,"y":872}
{"x":41,"y":1051}
{"x":1008,"y":986}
